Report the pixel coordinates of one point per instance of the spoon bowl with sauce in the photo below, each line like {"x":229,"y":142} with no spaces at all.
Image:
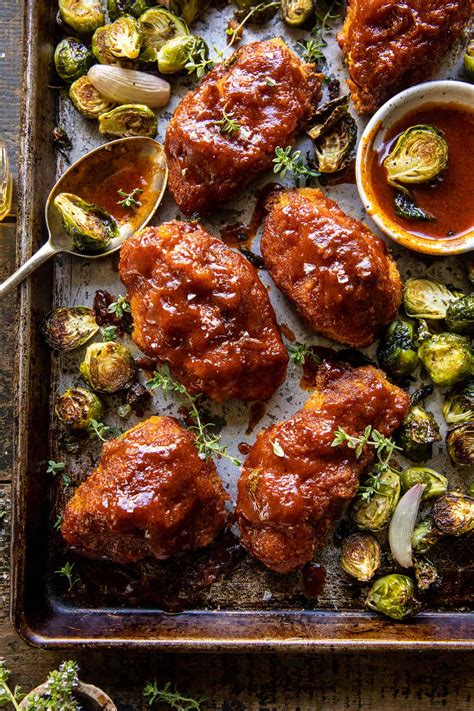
{"x":448,"y":106}
{"x":101,"y":177}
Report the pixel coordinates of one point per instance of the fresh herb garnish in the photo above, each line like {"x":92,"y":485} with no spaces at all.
{"x":102,"y":431}
{"x":171,"y":696}
{"x":270,"y":81}
{"x":55,"y":467}
{"x":60,"y":691}
{"x":208,"y":445}
{"x":199,"y":63}
{"x":288,"y":160}
{"x":129,"y":201}
{"x":67,"y":571}
{"x":228,"y":123}
{"x":58,"y":522}
{"x":119,"y":307}
{"x":277,"y":448}
{"x":300,"y":352}
{"x":8,"y":695}
{"x":108,"y":333}
{"x":235,"y":32}
{"x":312,"y":50}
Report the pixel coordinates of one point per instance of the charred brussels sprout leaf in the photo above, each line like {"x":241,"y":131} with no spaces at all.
{"x":393,"y":596}
{"x":334,"y":133}
{"x":373,"y":512}
{"x":159,"y":26}
{"x":108,"y":367}
{"x":296,"y":12}
{"x":419,"y":155}
{"x":460,"y":315}
{"x":417,"y":433}
{"x":66,"y":328}
{"x":427,"y":298}
{"x":454,"y":514}
{"x":406,"y":207}
{"x":129,"y":120}
{"x":397,"y":352}
{"x":459,"y":404}
{"x":425,"y":535}
{"x":447,"y":357}
{"x":460,"y":443}
{"x":176,"y":53}
{"x":90,"y":227}
{"x":116,"y":8}
{"x":469,"y":60}
{"x":72,"y":59}
{"x":425,"y":573}
{"x":77,"y":407}
{"x":361,"y":556}
{"x":435,"y":484}
{"x":84,"y":16}
{"x":87,"y":100}
{"x":190,"y":10}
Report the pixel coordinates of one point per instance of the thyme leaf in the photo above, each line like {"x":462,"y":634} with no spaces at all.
{"x":119,"y":307}
{"x":289,"y":160}
{"x":55,"y":467}
{"x":129,"y":201}
{"x":300,"y":352}
{"x":67,"y":571}
{"x":171,"y":696}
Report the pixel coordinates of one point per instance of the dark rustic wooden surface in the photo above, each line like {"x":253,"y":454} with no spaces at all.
{"x":232,"y":682}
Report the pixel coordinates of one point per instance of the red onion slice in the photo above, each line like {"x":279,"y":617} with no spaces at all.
{"x":400,"y":532}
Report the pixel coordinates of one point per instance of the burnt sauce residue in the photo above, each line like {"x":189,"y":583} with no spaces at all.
{"x":313,"y":577}
{"x":257,"y":411}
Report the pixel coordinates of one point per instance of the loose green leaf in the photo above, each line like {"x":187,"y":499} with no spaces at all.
{"x":289,"y":160}
{"x":67,"y":571}
{"x":171,"y":696}
{"x":300,"y":352}
{"x":119,"y":307}
{"x":102,"y":431}
{"x":129,"y":201}
{"x":108,"y":333}
{"x":55,"y":467}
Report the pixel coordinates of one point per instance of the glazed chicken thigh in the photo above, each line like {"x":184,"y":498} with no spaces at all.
{"x":150,"y":496}
{"x":286,"y":504}
{"x":200,"y":307}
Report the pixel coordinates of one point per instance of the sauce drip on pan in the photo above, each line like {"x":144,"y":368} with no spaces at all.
{"x":313,"y":578}
{"x":241,"y":236}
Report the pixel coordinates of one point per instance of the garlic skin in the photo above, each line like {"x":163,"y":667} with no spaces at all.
{"x":128,"y":86}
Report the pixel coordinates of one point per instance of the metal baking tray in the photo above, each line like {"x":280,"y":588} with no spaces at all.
{"x":173,"y":605}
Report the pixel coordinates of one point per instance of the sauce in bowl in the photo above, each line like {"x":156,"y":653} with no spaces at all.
{"x":449,"y":197}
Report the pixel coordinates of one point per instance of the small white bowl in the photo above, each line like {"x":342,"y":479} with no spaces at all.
{"x":439,"y":92}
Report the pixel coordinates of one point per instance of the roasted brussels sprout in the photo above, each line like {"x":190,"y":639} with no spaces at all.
{"x":394,"y":596}
{"x":77,"y":407}
{"x":66,"y":328}
{"x":447,"y":357}
{"x":453,"y":514}
{"x":425,"y":535}
{"x":159,"y":25}
{"x":191,"y":10}
{"x":373,"y":512}
{"x":460,"y":315}
{"x":129,"y":120}
{"x":426,"y":298}
{"x":296,"y":12}
{"x":459,"y":404}
{"x":90,"y":227}
{"x":470,"y":489}
{"x":419,"y":155}
{"x":84,"y":16}
{"x":460,"y":443}
{"x":425,"y":573}
{"x":436,"y":484}
{"x":469,"y":60}
{"x":334,"y":133}
{"x":116,"y":8}
{"x":122,"y":40}
{"x":108,"y":367}
{"x":361,"y":556}
{"x":87,"y":100}
{"x":417,"y":433}
{"x":397,"y":352}
{"x":406,"y":207}
{"x":177,"y":52}
{"x":72,"y":59}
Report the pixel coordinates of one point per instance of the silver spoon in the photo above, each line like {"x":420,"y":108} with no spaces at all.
{"x":92,"y":173}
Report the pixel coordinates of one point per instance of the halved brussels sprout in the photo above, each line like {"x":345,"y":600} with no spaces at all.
{"x":84,"y":16}
{"x":373,"y":513}
{"x":447,"y":357}
{"x":469,"y":60}
{"x":459,"y":404}
{"x":190,"y":10}
{"x":361,"y":556}
{"x":177,"y":52}
{"x":419,"y":155}
{"x":77,"y":407}
{"x":394,"y":596}
{"x":296,"y":12}
{"x":454,"y":514}
{"x":90,"y":227}
{"x":159,"y":25}
{"x":108,"y":367}
{"x":425,"y":535}
{"x":460,"y":443}
{"x":417,"y":433}
{"x":116,"y":8}
{"x":87,"y":100}
{"x":397,"y":352}
{"x":122,"y":39}
{"x":460,"y":315}
{"x":426,"y":298}
{"x":334,"y":133}
{"x":425,"y":573}
{"x":129,"y":120}
{"x":66,"y":328}
{"x":436,"y":484}
{"x":72,"y":59}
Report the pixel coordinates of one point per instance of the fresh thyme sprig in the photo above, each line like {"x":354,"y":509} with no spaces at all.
{"x":235,"y":32}
{"x":102,"y":431}
{"x":312,"y":50}
{"x":199,"y":63}
{"x":300,"y":352}
{"x":208,"y":445}
{"x":129,"y":201}
{"x":228,"y":123}
{"x":59,"y":692}
{"x":108,"y":333}
{"x":287,"y":160}
{"x":171,"y":696}
{"x":8,"y":695}
{"x":58,"y":522}
{"x":67,"y":571}
{"x":55,"y":467}
{"x":119,"y":307}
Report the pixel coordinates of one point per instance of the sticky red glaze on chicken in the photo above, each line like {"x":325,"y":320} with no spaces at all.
{"x":271,"y":94}
{"x":200,"y":307}
{"x":339,"y":275}
{"x":392,"y":44}
{"x":286,"y":504}
{"x":150,"y":496}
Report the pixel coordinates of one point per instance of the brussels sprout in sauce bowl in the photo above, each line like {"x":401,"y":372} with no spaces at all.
{"x":414,"y":167}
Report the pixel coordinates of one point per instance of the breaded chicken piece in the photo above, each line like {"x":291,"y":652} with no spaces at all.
{"x":286,"y":504}
{"x":392,"y":44}
{"x":271,"y":95}
{"x":200,"y":307}
{"x":150,"y":496}
{"x":339,"y":275}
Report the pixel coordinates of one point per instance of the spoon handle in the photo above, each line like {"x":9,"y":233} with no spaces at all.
{"x":44,"y":253}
